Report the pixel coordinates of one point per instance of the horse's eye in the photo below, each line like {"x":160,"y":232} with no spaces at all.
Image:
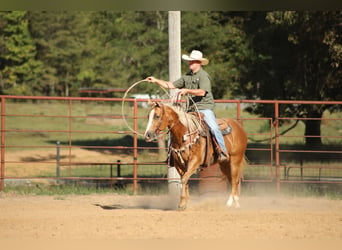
{"x":156,"y":117}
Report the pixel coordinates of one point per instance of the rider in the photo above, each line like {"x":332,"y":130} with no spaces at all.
{"x":196,"y":83}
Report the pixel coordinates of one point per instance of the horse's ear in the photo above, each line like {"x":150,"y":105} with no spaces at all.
{"x":149,"y":102}
{"x":153,"y":104}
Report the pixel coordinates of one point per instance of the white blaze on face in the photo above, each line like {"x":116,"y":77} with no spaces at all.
{"x":150,"y":119}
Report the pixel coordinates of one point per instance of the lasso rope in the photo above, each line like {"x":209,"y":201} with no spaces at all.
{"x":123,"y":103}
{"x":174,"y":99}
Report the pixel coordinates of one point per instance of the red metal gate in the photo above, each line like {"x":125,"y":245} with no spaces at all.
{"x":91,"y":123}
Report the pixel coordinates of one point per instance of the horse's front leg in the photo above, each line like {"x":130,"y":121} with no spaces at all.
{"x":185,"y":191}
{"x":185,"y":196}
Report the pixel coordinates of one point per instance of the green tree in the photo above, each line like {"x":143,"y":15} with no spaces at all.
{"x":134,"y":46}
{"x":19,"y":68}
{"x":62,"y":42}
{"x":297,"y":56}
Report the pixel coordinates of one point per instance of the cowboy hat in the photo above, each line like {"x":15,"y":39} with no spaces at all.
{"x":196,"y":55}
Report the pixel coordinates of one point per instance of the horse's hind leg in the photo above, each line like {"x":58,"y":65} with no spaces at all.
{"x":234,"y":197}
{"x":234,"y":179}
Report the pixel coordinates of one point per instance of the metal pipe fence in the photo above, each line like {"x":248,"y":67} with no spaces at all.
{"x":93,"y":138}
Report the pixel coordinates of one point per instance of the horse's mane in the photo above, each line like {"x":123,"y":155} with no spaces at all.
{"x":185,"y":118}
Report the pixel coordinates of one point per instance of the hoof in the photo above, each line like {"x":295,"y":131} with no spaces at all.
{"x":230,"y":202}
{"x":237,"y":206}
{"x":181,"y":208}
{"x":233,"y":200}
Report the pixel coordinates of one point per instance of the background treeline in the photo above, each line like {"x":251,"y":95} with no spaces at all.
{"x":254,"y":55}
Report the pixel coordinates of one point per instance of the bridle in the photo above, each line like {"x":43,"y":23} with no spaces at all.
{"x":160,"y":122}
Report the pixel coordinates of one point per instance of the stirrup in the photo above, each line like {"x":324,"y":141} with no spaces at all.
{"x":223,"y":157}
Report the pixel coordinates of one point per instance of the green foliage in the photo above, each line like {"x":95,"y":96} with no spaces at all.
{"x":113,"y":49}
{"x":268,"y":55}
{"x":135,"y":45}
{"x":19,"y":70}
{"x":63,"y":46}
{"x":297,"y":56}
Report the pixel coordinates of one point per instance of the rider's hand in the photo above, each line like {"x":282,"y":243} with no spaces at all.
{"x":183,"y":91}
{"x":151,"y":79}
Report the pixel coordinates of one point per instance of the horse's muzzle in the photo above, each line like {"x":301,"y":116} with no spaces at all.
{"x":150,"y":136}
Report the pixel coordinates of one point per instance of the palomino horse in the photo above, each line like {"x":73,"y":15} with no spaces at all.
{"x":189,"y":147}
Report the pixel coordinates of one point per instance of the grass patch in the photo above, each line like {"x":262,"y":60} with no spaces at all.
{"x":316,"y":190}
{"x":65,"y":189}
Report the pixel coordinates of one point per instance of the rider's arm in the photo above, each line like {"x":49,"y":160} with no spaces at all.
{"x":162,"y":83}
{"x":170,"y":85}
{"x":195,"y":92}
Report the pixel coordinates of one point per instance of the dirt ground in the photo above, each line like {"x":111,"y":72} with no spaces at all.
{"x":124,"y":217}
{"x":151,"y":217}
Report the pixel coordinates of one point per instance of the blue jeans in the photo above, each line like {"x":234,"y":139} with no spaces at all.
{"x":210,"y":119}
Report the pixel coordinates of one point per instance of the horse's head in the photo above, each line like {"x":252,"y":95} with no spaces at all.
{"x":157,"y":121}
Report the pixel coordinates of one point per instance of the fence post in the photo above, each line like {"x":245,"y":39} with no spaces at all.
{"x":135,"y":148}
{"x":70,"y":134}
{"x":238,"y":116}
{"x":58,"y":158}
{"x":118,"y":169}
{"x":2,"y":165}
{"x":277,"y":154}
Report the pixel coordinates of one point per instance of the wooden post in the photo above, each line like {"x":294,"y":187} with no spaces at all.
{"x":174,"y":183}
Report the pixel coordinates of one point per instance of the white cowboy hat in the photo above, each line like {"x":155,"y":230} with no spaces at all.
{"x":196,"y":55}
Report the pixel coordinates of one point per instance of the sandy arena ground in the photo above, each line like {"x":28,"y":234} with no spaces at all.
{"x":150,"y":217}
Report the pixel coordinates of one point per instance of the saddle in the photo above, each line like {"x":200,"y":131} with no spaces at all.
{"x":205,"y":132}
{"x":224,"y":126}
